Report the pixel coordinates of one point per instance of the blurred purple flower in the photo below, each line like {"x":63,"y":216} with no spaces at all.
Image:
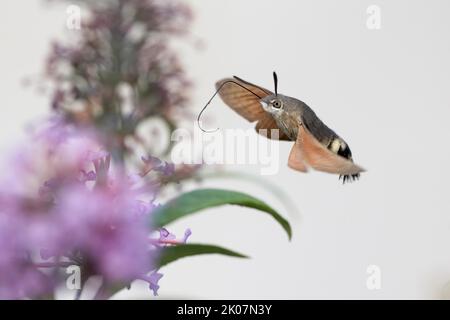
{"x":103,"y":227}
{"x":153,"y":280}
{"x":168,"y":169}
{"x":187,"y":234}
{"x":87,"y":176}
{"x":122,"y":44}
{"x":168,"y":238}
{"x":165,"y":235}
{"x":18,"y":277}
{"x":61,"y":195}
{"x":61,"y":198}
{"x":155,"y":164}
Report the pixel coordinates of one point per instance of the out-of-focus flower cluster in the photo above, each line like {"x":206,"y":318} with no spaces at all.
{"x":63,"y":203}
{"x":121,"y":71}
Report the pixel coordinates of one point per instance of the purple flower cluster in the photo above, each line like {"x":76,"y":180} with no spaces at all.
{"x":62,"y":203}
{"x":122,"y":71}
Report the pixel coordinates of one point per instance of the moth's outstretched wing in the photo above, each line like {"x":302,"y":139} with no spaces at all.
{"x":317,"y":156}
{"x":296,"y":160}
{"x":265,"y":127}
{"x":245,"y":103}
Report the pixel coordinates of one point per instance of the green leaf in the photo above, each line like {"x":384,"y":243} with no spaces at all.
{"x":194,"y":201}
{"x":258,"y":180}
{"x":170,"y":254}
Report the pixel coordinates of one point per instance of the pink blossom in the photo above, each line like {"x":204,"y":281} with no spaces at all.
{"x":61,"y":198}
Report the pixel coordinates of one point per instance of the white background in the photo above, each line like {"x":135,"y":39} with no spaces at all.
{"x":385,"y":91}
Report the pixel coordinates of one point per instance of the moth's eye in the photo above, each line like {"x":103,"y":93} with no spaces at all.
{"x":276,"y":104}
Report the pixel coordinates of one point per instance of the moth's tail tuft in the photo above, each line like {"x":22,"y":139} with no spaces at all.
{"x":349,"y":177}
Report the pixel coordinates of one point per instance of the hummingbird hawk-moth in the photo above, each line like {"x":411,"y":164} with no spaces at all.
{"x":316,"y":146}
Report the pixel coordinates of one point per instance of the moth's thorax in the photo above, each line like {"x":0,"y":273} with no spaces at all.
{"x":288,"y":123}
{"x":289,"y":118}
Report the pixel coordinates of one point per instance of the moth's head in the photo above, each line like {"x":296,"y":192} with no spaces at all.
{"x":273,"y":104}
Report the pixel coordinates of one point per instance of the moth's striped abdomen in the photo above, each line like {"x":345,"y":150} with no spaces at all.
{"x":341,"y":148}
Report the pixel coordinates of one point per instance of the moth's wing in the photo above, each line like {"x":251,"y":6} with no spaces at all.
{"x":296,"y":160}
{"x":246,"y":104}
{"x":265,"y":126}
{"x":320,"y":158}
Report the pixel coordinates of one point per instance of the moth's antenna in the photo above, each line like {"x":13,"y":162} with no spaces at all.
{"x":275,"y":81}
{"x":217,"y":91}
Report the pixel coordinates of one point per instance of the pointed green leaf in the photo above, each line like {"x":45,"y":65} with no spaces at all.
{"x":194,"y":201}
{"x":170,"y":254}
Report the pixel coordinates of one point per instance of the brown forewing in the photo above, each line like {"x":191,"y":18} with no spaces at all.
{"x":265,"y":126}
{"x":247,"y":104}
